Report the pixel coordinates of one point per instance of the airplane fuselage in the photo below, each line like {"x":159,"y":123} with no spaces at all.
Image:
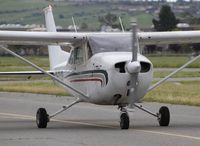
{"x":104,"y":79}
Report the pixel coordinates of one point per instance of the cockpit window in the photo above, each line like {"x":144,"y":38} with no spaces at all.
{"x":78,"y":55}
{"x":89,"y":50}
{"x":110,"y":43}
{"x":71,"y":58}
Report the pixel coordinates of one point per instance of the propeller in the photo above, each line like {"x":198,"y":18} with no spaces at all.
{"x":134,"y":67}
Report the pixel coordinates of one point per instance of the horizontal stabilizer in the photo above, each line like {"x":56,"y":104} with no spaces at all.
{"x":24,"y":74}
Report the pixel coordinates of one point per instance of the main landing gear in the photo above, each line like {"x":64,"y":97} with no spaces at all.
{"x":42,"y":118}
{"x":163,"y":116}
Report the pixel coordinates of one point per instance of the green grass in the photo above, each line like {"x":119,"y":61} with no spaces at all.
{"x":14,"y":64}
{"x":186,"y":93}
{"x":144,"y":20}
{"x":30,"y":11}
{"x":34,"y":87}
{"x":172,"y":61}
{"x":182,"y":74}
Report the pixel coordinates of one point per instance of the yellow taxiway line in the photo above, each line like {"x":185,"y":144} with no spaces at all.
{"x":27,"y":117}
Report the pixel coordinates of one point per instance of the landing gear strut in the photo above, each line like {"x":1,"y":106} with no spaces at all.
{"x":163,"y":115}
{"x":124,"y":118}
{"x":42,"y":118}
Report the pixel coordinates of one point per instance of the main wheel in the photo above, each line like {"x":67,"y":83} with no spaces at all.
{"x":164,"y":116}
{"x":124,"y":121}
{"x":42,"y":118}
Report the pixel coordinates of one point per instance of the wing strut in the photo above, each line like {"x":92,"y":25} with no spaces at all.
{"x":83,"y":97}
{"x":173,"y":73}
{"x":121,"y":24}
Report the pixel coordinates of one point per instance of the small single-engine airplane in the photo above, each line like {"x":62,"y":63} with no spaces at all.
{"x":102,"y":68}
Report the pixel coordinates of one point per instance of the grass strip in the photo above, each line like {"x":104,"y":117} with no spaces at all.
{"x":182,"y":74}
{"x":34,"y":87}
{"x":185,"y":93}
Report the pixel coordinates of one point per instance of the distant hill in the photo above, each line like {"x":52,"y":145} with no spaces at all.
{"x":30,"y":12}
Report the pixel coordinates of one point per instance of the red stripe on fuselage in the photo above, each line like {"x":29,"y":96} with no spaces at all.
{"x":87,"y":80}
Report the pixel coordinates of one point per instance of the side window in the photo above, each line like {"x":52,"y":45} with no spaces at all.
{"x":89,"y":50}
{"x":71,"y":58}
{"x":78,"y":55}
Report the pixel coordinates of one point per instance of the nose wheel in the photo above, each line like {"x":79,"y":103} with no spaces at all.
{"x":124,"y":119}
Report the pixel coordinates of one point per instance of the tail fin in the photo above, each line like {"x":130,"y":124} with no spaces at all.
{"x":56,"y":55}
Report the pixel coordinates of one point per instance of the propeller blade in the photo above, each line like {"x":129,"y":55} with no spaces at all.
{"x":134,"y":41}
{"x":134,"y":66}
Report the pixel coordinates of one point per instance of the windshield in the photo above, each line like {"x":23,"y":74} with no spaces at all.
{"x":107,"y":43}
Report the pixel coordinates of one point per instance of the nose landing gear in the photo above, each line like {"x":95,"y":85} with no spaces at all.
{"x":124,"y":118}
{"x":163,"y":116}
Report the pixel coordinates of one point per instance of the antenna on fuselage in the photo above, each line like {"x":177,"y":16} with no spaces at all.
{"x":120,"y":21}
{"x":74,"y":24}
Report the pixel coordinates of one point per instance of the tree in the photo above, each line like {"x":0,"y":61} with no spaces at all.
{"x":84,"y":26}
{"x":167,"y":20}
{"x":109,"y":19}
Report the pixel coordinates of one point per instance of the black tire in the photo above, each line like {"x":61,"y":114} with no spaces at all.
{"x":164,"y":116}
{"x":124,"y":121}
{"x":42,"y":118}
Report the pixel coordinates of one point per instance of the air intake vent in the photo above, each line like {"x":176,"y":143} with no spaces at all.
{"x":145,"y":67}
{"x":120,"y":67}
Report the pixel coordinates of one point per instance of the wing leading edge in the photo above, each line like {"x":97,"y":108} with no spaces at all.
{"x":173,"y":37}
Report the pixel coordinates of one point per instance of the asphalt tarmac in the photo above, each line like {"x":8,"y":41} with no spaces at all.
{"x":92,"y":125}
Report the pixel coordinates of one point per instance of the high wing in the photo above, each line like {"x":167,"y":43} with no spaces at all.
{"x":64,"y":38}
{"x":173,"y":37}
{"x":38,"y":38}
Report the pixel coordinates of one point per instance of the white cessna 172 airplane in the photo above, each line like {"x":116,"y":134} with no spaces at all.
{"x":102,"y":68}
